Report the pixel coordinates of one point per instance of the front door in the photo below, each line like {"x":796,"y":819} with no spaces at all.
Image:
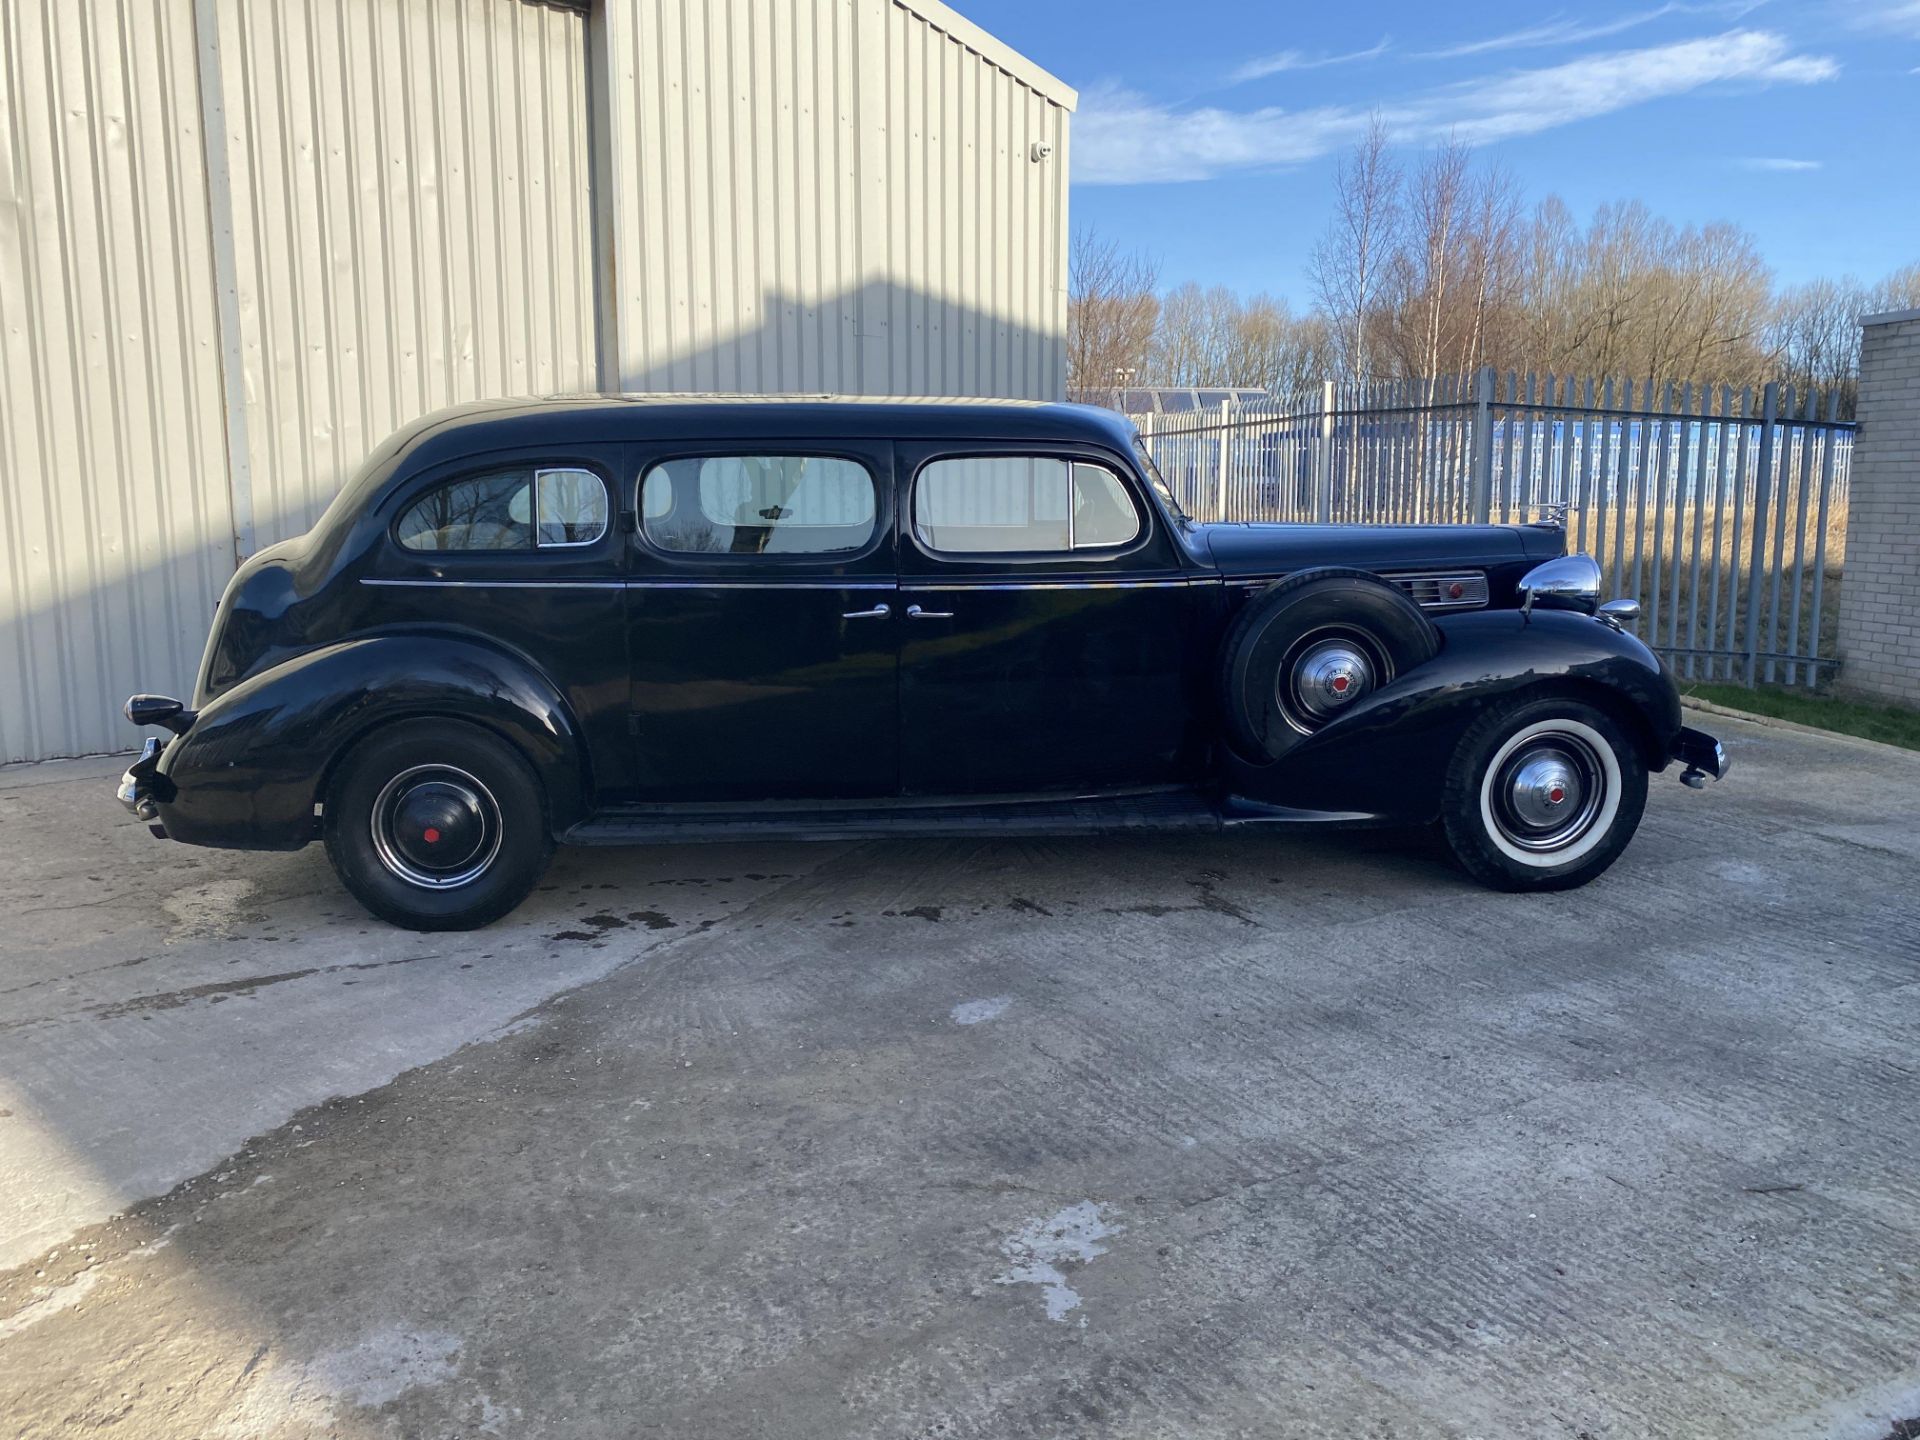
{"x":1047,"y":626}
{"x":761,"y":605}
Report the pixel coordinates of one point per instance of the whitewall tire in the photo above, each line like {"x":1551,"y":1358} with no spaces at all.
{"x":1543,"y":795}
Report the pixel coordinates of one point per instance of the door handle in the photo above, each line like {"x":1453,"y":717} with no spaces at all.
{"x":878,"y":612}
{"x":914,"y":612}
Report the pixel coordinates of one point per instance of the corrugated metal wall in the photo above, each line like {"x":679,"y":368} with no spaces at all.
{"x":411,"y":225}
{"x":242,"y":242}
{"x":843,"y":195}
{"x":115,"y":534}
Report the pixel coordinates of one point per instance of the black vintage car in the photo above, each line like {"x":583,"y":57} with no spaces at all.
{"x":614,"y":620}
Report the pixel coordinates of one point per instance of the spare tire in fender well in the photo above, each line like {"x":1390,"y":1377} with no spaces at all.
{"x":1362,"y":630}
{"x":250,"y":771}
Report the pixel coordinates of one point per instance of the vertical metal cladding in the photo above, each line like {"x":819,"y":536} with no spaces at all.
{"x":115,"y":533}
{"x":833,"y":195}
{"x":411,"y":211}
{"x":242,"y":242}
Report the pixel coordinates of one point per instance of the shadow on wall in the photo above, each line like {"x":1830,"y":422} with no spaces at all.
{"x":880,"y":338}
{"x":144,"y":628}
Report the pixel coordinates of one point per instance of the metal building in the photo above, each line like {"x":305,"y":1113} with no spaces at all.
{"x":240,"y":243}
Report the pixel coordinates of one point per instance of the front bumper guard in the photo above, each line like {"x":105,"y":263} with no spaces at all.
{"x":1703,"y":756}
{"x":142,"y":787}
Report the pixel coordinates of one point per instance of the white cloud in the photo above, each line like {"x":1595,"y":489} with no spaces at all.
{"x":1529,"y":101}
{"x":1779,"y":163}
{"x":1283,"y":60}
{"x":1560,"y":31}
{"x":1901,"y":17}
{"x":1123,"y":137}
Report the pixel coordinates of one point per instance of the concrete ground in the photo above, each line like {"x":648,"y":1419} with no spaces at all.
{"x":1266,"y":1136}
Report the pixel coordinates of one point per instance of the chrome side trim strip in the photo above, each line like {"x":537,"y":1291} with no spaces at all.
{"x":902,"y":584}
{"x":497,"y":584}
{"x":908,"y":583}
{"x":762,"y":585}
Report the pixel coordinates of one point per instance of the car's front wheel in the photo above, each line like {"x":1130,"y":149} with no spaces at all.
{"x":1542,"y":796}
{"x":436,"y":825}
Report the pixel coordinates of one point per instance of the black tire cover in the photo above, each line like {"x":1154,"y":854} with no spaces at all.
{"x":1272,"y":622}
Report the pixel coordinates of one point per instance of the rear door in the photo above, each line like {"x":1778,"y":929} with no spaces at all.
{"x":761,"y":607}
{"x":1048,"y":626}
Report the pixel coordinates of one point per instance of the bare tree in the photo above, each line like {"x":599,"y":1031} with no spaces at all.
{"x":1899,"y":291}
{"x":1277,"y":350}
{"x":1349,"y":263}
{"x":1421,"y":303}
{"x":1111,"y":313}
{"x":1493,"y":265}
{"x":1549,"y":266}
{"x":1813,"y":330}
{"x":1185,"y":346}
{"x":1212,"y":337}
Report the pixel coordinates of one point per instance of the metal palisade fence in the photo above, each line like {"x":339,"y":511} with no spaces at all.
{"x":1723,"y":512}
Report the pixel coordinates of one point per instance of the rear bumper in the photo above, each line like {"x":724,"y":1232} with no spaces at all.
{"x":1701,"y":754}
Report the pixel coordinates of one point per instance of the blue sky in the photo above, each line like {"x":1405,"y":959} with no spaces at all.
{"x":1207,"y":129}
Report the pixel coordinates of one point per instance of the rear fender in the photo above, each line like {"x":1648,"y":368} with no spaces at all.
{"x":249,"y":772}
{"x":1387,"y":758}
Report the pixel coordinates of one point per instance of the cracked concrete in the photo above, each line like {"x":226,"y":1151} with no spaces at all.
{"x":1294,"y":1135}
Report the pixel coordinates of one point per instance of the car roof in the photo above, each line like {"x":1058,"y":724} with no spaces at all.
{"x":489,"y":424}
{"x":482,"y":426}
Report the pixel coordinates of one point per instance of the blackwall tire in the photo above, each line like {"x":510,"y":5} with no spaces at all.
{"x":1302,"y":637}
{"x":436,"y":825}
{"x":1544,"y":795}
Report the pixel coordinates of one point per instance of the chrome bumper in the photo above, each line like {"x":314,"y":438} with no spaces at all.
{"x":140,"y":786}
{"x":1702,"y":755}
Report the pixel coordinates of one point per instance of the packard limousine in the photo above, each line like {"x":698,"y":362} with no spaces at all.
{"x":613,"y":620}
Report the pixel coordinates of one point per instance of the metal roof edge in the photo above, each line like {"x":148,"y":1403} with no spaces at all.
{"x":1889,"y":317}
{"x":995,"y":51}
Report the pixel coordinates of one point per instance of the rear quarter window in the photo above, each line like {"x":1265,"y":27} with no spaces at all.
{"x":505,"y":510}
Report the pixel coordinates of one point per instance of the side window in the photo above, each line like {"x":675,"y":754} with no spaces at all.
{"x":988,"y":505}
{"x":497,"y":512}
{"x":482,"y":512}
{"x":758,"y":505}
{"x":572,"y":506}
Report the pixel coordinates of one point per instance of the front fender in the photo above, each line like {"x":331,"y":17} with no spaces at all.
{"x":1387,"y":758}
{"x":249,"y":771}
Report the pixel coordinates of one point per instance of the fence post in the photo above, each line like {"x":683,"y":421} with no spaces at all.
{"x":1762,"y":490}
{"x":1323,"y":458}
{"x":1483,"y":445}
{"x":1226,"y":451}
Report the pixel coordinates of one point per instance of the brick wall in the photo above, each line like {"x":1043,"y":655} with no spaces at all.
{"x":1880,"y":599}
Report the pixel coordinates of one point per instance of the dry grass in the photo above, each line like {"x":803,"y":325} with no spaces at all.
{"x":1670,"y":619}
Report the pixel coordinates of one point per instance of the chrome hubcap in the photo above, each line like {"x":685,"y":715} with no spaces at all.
{"x":436,"y":826}
{"x":1546,"y":789}
{"x":1331,"y":676}
{"x":1324,"y":675}
{"x":1548,"y":792}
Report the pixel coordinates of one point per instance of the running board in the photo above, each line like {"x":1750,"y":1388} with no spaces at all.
{"x":1095,"y":815}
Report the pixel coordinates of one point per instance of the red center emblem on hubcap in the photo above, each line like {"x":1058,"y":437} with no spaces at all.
{"x":1340,"y":683}
{"x":430,"y":835}
{"x":1556,"y":795}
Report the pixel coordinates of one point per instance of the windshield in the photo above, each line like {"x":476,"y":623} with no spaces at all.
{"x":1159,"y":481}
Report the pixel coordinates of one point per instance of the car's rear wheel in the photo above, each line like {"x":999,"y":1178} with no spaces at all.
{"x":1542,"y":796}
{"x":436,"y":825}
{"x":1310,"y":648}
